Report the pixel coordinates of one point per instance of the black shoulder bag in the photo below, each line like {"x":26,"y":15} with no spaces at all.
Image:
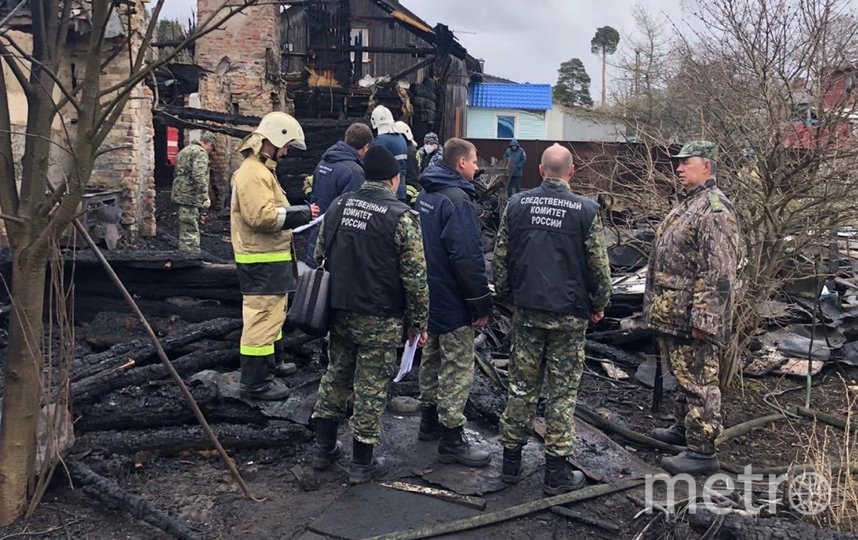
{"x":311,"y":305}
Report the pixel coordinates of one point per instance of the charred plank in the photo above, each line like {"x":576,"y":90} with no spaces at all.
{"x":177,"y":439}
{"x":141,"y":408}
{"x":108,"y":493}
{"x":143,"y":352}
{"x":88,"y":389}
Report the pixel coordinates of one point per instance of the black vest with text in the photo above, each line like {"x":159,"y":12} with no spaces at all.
{"x":362,"y":255}
{"x":547,"y":257}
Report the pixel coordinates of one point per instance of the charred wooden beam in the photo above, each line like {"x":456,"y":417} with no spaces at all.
{"x":143,"y":352}
{"x":619,"y":337}
{"x":90,"y":388}
{"x":177,"y":439}
{"x":108,"y":493}
{"x":161,"y":408}
{"x":619,"y":356}
{"x":387,"y":50}
{"x":409,"y":70}
{"x":191,"y":113}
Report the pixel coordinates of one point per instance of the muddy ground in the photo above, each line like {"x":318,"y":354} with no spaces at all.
{"x":197,"y":490}
{"x":298,"y":503}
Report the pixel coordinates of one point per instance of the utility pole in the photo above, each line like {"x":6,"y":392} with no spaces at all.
{"x":637,"y":72}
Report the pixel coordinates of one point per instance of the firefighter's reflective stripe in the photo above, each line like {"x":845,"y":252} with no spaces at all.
{"x":274,"y":256}
{"x":264,"y":350}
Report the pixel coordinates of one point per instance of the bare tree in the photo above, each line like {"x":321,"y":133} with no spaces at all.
{"x":36,"y":212}
{"x":769,"y":83}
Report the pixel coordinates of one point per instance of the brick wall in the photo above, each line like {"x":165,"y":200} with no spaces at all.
{"x":242,"y":58}
{"x":130,"y":167}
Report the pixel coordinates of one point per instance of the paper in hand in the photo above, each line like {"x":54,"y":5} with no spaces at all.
{"x":407,"y":359}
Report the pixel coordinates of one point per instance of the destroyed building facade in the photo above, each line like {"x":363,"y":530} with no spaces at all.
{"x":126,"y":164}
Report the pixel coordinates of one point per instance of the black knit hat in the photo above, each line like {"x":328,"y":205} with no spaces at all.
{"x":379,"y":165}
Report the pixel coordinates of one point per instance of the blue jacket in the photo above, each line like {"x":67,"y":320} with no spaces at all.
{"x":458,"y":288}
{"x":518,"y":159}
{"x":340,"y":171}
{"x":396,"y":144}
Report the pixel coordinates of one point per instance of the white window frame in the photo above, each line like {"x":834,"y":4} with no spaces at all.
{"x":514,"y":115}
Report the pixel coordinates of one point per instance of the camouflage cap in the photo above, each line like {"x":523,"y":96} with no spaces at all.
{"x":209,"y":137}
{"x":704,"y":149}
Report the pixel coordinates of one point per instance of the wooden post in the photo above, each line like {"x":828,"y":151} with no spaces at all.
{"x":457,"y":126}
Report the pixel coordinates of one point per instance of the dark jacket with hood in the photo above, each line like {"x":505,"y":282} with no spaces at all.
{"x":458,"y":288}
{"x":340,"y":171}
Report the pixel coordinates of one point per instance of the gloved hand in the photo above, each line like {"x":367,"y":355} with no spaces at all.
{"x":207,"y":204}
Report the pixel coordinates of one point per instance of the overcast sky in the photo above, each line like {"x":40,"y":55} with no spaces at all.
{"x":522,"y":40}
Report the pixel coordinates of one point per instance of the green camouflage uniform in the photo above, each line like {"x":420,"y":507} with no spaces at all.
{"x":448,"y":357}
{"x":549,"y":344}
{"x":692,"y":272}
{"x":190,"y":191}
{"x":362,"y":347}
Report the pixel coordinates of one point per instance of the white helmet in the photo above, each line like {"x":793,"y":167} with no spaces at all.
{"x":382,"y":119}
{"x":401,"y":127}
{"x":281,"y":129}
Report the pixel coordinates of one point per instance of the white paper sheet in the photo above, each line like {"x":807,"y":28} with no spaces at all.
{"x":407,"y":359}
{"x":308,"y":225}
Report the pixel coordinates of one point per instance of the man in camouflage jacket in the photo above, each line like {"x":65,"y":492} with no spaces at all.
{"x":550,"y":260}
{"x":372,"y":246}
{"x":689,"y":291}
{"x":191,"y":189}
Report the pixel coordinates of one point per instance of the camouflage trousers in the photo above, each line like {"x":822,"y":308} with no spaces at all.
{"x":189,"y":228}
{"x":446,"y":374}
{"x":558,"y":355}
{"x":695,"y":364}
{"x":362,"y":353}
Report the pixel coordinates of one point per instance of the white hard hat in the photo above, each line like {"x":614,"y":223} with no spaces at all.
{"x":401,"y":127}
{"x":281,"y":129}
{"x":382,"y":119}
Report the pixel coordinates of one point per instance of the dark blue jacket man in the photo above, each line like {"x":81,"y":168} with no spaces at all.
{"x":341,"y":168}
{"x":459,"y":299}
{"x":517,"y":160}
{"x":340,"y":171}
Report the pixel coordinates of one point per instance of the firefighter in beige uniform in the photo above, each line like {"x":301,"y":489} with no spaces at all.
{"x":261,"y":220}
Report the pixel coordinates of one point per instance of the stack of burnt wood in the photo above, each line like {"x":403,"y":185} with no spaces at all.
{"x":124,"y":401}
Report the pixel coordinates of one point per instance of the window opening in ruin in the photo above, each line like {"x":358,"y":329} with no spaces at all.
{"x":360,"y":36}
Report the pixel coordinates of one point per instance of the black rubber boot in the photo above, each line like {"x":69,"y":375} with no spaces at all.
{"x":328,"y":448}
{"x":674,"y":434}
{"x":454,"y":448}
{"x":257,"y":379}
{"x":511,"y":472}
{"x":430,"y":429}
{"x":691,"y":463}
{"x":557,"y":478}
{"x":364,"y":467}
{"x":282,"y":368}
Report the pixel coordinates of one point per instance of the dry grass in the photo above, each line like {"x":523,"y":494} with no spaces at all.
{"x":833,"y":455}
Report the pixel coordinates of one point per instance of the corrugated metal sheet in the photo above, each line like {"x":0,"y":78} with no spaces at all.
{"x":510,"y":96}
{"x":482,"y":123}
